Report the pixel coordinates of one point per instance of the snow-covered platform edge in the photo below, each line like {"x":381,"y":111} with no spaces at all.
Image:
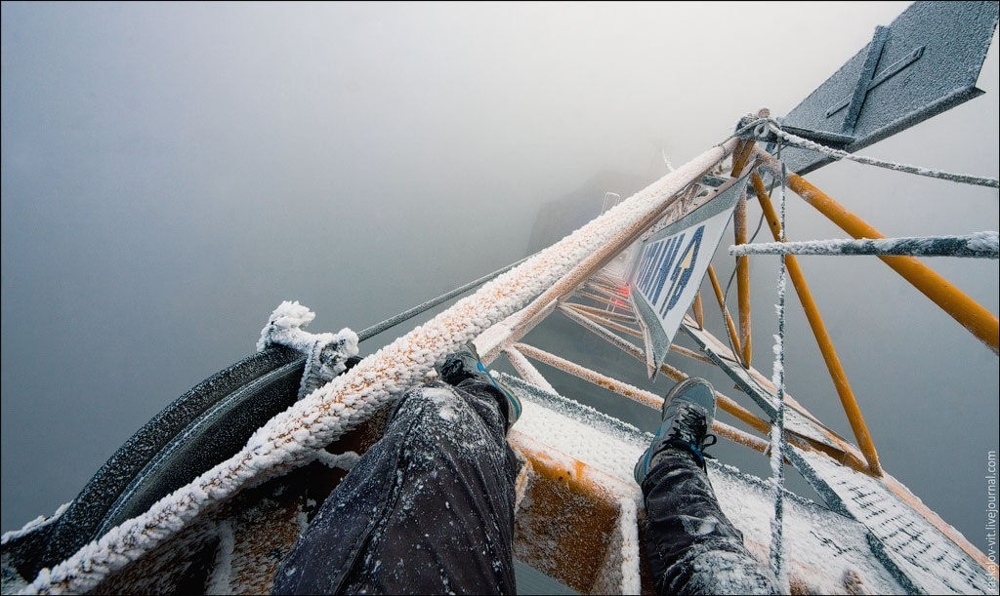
{"x":828,"y":553}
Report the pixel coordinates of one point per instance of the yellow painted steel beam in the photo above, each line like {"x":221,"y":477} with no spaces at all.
{"x":600,"y":320}
{"x":969,"y":313}
{"x":843,"y":454}
{"x":741,"y":155}
{"x":690,"y":354}
{"x":699,"y":311}
{"x":621,"y":317}
{"x":743,"y":281}
{"x":730,"y":326}
{"x":837,"y":374}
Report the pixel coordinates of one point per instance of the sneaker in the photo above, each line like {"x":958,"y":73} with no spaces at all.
{"x":688,"y":413}
{"x":464,"y":367}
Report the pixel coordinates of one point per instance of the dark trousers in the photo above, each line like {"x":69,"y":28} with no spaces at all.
{"x":429,"y":509}
{"x":692,"y":546}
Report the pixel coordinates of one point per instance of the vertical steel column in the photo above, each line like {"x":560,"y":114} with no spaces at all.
{"x":743,"y":281}
{"x":741,"y":156}
{"x":699,"y":311}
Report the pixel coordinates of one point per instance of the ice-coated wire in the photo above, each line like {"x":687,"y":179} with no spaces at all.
{"x":881,"y":163}
{"x":420,"y":308}
{"x":777,"y":557}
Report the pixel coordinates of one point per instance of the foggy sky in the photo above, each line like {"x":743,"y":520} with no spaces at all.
{"x":172,"y":172}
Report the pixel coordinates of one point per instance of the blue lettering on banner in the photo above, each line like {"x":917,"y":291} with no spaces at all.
{"x":663,"y":261}
{"x":671,"y":254}
{"x":682,"y":272}
{"x":647,"y":265}
{"x":643,"y":265}
{"x":670,"y":265}
{"x":653,"y":262}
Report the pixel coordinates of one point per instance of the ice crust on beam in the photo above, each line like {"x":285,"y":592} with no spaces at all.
{"x":983,"y":245}
{"x":326,"y":353}
{"x":905,"y":540}
{"x":293,"y":437}
{"x":827,"y":553}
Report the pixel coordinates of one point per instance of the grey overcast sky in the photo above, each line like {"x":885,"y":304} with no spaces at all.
{"x":171,"y":172}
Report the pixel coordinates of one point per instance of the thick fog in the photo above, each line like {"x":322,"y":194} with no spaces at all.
{"x":172,"y":172}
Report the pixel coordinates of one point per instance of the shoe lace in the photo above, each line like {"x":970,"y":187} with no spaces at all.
{"x":688,"y":431}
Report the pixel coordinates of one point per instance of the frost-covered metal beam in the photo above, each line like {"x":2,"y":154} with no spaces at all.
{"x":725,"y":403}
{"x":291,"y":439}
{"x":527,"y":370}
{"x":631,"y":392}
{"x":730,"y":325}
{"x":641,"y":396}
{"x":600,"y":320}
{"x":981,"y":245}
{"x":960,"y":306}
{"x":596,"y":324}
{"x":626,"y":317}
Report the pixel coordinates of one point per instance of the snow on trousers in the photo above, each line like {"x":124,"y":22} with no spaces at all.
{"x":429,"y":509}
{"x":692,"y":546}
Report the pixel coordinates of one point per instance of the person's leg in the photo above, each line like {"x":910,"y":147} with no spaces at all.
{"x":429,"y":509}
{"x":692,"y":546}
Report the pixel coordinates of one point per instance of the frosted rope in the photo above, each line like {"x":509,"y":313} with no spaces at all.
{"x":871,"y":161}
{"x":777,"y":557}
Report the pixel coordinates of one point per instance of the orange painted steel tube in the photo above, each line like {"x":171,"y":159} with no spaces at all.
{"x":625,"y":318}
{"x":730,"y":326}
{"x":969,"y":313}
{"x":741,"y":155}
{"x":699,"y":312}
{"x":837,"y":374}
{"x":728,"y":405}
{"x":743,"y":281}
{"x":604,"y":321}
{"x":690,"y":354}
{"x":624,"y":389}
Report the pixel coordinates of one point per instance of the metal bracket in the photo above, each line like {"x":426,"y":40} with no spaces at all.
{"x":931,"y":56}
{"x":863,"y":88}
{"x":864,"y":78}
